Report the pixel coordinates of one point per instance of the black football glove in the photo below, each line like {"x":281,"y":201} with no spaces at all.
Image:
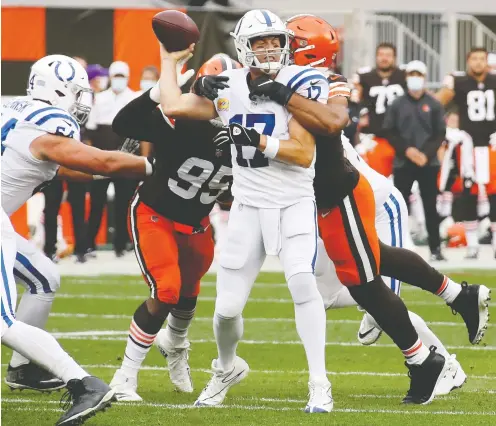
{"x":236,"y":134}
{"x":208,"y":86}
{"x":265,"y":87}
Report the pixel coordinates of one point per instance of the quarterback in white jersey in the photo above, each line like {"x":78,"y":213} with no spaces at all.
{"x":274,"y":210}
{"x":40,"y":133}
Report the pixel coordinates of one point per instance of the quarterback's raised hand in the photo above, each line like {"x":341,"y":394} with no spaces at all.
{"x":209,"y":85}
{"x":236,"y":134}
{"x":265,"y":87}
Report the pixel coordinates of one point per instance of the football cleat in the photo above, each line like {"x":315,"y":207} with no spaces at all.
{"x":425,"y":378}
{"x":88,"y":396}
{"x":369,"y":332}
{"x":320,"y":397}
{"x":473,"y":305}
{"x":458,"y":375}
{"x":31,"y":376}
{"x":125,"y":387}
{"x":472,"y":253}
{"x":216,"y":389}
{"x":177,"y":361}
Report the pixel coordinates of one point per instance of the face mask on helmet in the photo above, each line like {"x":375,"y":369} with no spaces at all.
{"x":261,"y":27}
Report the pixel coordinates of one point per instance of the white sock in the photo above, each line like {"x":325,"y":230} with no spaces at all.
{"x":178,"y":323}
{"x":137,"y":347}
{"x":426,"y":335}
{"x":493,"y":230}
{"x":41,"y":348}
{"x":416,"y":354}
{"x":449,"y":290}
{"x":33,"y":310}
{"x":471,"y":233}
{"x":310,"y":318}
{"x":228,"y":332}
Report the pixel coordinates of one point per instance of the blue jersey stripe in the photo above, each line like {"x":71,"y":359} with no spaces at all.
{"x":24,"y":261}
{"x":23,"y":278}
{"x":6,"y":285}
{"x":393,"y":238}
{"x":267,"y":18}
{"x":398,"y":210}
{"x":308,"y":78}
{"x":39,"y":111}
{"x":297,"y":76}
{"x":59,"y":115}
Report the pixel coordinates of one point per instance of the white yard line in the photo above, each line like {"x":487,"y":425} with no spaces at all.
{"x":110,"y":335}
{"x":288,"y":372}
{"x":210,"y":299}
{"x":264,"y":407}
{"x":208,"y":319}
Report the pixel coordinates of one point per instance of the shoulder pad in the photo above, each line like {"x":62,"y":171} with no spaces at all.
{"x":306,"y":81}
{"x":55,"y":121}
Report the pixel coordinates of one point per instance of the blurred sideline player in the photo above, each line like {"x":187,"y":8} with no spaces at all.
{"x":170,"y":228}
{"x":474,"y":93}
{"x":349,"y":232}
{"x":377,"y":88}
{"x":274,"y":209}
{"x":40,"y":133}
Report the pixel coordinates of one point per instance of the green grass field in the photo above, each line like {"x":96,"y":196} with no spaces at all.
{"x":91,"y":317}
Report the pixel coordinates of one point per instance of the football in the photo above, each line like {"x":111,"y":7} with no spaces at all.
{"x":175,"y":30}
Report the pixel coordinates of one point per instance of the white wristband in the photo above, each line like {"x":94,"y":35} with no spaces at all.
{"x":272,"y":147}
{"x":148,"y":167}
{"x":100,"y":177}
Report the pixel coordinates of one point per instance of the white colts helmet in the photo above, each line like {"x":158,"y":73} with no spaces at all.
{"x":62,"y":82}
{"x":261,"y":23}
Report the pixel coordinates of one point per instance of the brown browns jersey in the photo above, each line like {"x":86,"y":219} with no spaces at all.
{"x":191,"y":172}
{"x":378,"y":93}
{"x":335,"y":177}
{"x":475,"y":102}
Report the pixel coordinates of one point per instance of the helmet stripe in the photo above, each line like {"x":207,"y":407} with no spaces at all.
{"x":266,"y":16}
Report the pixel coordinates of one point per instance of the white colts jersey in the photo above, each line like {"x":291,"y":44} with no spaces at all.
{"x":23,"y":120}
{"x":259,"y":181}
{"x":381,"y":185}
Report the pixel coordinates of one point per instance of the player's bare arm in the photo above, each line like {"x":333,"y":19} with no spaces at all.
{"x":299,"y":149}
{"x":83,"y":158}
{"x":445,"y":95}
{"x":319,"y":118}
{"x":173,"y":102}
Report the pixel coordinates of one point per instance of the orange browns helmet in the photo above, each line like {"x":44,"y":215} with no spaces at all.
{"x":315,"y":42}
{"x":216,"y":64}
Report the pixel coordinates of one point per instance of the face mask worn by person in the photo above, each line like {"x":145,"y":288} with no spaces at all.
{"x":118,"y":84}
{"x":415,"y":83}
{"x":146,"y":84}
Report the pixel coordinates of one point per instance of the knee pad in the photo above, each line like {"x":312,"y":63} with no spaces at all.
{"x":303,"y":288}
{"x":229,"y":306}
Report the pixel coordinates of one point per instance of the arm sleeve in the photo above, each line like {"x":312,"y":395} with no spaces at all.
{"x":141,"y":119}
{"x":439,"y":132}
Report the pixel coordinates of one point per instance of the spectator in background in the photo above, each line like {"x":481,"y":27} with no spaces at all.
{"x":98,"y":77}
{"x":106,"y":106}
{"x":416,"y":128}
{"x":149,"y":77}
